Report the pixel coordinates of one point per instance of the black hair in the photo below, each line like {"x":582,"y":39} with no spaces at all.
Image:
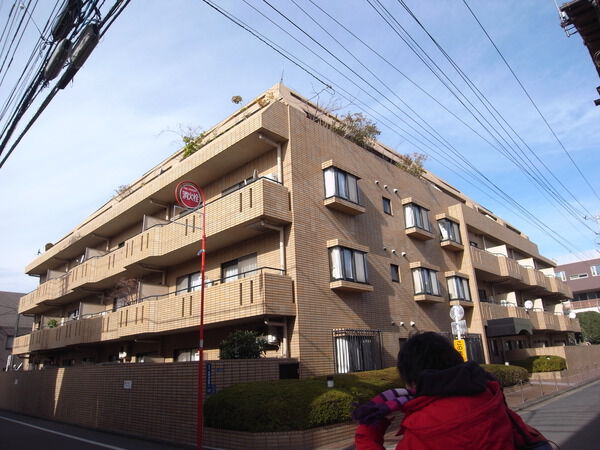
{"x":424,"y":351}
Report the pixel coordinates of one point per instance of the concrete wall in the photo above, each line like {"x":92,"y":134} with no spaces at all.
{"x":161,"y":403}
{"x":579,"y":357}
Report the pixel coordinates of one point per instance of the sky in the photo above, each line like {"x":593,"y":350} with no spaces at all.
{"x":166,"y":66}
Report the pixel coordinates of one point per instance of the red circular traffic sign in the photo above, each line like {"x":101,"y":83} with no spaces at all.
{"x":187,"y":195}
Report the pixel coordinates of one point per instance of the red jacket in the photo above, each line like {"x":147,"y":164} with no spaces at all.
{"x":477,"y":422}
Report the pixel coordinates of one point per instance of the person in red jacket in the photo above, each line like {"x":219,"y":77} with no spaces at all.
{"x":448,"y":404}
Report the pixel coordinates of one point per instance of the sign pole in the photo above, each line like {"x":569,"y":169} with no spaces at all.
{"x":189,"y":196}
{"x":200,"y":425}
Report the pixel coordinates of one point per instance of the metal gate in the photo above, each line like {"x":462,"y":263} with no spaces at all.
{"x":473,"y":344}
{"x":356,"y":350}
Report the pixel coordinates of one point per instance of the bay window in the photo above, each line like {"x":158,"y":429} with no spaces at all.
{"x":425,"y":281}
{"x":348,"y":264}
{"x":449,"y":230}
{"x":340,"y":184}
{"x":458,"y":288}
{"x":416,"y":216}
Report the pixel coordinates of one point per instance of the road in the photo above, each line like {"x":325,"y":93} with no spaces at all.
{"x":572,"y":420}
{"x":19,"y":432}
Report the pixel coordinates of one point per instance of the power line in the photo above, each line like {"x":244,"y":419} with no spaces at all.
{"x":533,"y":219}
{"x":532,"y":101}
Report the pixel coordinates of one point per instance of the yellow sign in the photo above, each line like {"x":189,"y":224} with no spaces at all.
{"x":460,"y":347}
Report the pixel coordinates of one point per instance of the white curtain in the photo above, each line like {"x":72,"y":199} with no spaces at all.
{"x":443,"y":224}
{"x":336,"y":263}
{"x":247,"y":265}
{"x":417,"y":281}
{"x":409,"y":215}
{"x":360,"y":263}
{"x":195,"y":281}
{"x":329,"y":182}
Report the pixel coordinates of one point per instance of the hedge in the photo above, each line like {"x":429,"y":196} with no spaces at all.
{"x":507,"y":375}
{"x":285,"y":405}
{"x":542,"y":363}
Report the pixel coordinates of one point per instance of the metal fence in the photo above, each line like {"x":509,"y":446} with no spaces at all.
{"x":356,"y":350}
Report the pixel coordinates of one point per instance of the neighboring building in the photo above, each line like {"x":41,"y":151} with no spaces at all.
{"x":327,"y":247}
{"x":583,"y":277}
{"x":583,"y":17}
{"x":9,"y":302}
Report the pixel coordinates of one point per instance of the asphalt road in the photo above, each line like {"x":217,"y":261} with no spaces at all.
{"x":19,"y":432}
{"x":572,"y":420}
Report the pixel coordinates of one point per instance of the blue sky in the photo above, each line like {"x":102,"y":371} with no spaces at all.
{"x":166,"y":65}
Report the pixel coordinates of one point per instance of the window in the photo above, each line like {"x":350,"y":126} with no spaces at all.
{"x":578,"y":275}
{"x":340,"y":184}
{"x":561,"y":275}
{"x":482,"y":295}
{"x":239,"y":268}
{"x":387,"y":206}
{"x":9,"y":342}
{"x":450,"y":230}
{"x":395,"y":273}
{"x":188,"y":354}
{"x":188,"y":283}
{"x":458,"y":288}
{"x":416,"y":216}
{"x":595,"y":270}
{"x":348,"y":264}
{"x":426,"y":281}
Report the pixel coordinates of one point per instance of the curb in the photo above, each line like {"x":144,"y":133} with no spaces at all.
{"x":555,"y":394}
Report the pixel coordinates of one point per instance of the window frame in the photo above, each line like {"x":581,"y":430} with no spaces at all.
{"x":346,"y":266}
{"x":455,"y":284}
{"x":561,"y":275}
{"x":9,"y":342}
{"x":342,"y":181}
{"x":236,"y":263}
{"x":428,"y":281}
{"x":387,"y":206}
{"x":595,"y":270}
{"x":453,"y":232}
{"x":395,"y":273}
{"x":190,"y":287}
{"x":419,"y":217}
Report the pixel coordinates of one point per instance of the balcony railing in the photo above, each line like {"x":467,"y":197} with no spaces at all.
{"x":260,"y":292}
{"x":229,"y":222}
{"x":540,"y":320}
{"x":522,"y":277}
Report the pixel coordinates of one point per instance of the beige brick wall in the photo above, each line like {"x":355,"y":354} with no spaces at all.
{"x":161,"y":403}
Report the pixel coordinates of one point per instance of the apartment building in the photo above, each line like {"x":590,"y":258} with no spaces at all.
{"x":9,"y":302}
{"x":328,"y":248}
{"x":583,"y":277}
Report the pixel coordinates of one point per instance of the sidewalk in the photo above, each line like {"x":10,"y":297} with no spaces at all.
{"x":518,"y":397}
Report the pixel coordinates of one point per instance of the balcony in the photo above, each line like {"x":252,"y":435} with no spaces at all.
{"x":233,"y":218}
{"x":567,"y":324}
{"x":539,"y":283}
{"x":559,"y":288}
{"x":544,"y":321}
{"x":266,"y":292}
{"x":238,"y":140}
{"x":492,"y":311}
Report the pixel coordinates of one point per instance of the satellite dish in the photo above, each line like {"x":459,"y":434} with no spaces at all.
{"x":572,"y":315}
{"x":528,"y":305}
{"x":457,"y":312}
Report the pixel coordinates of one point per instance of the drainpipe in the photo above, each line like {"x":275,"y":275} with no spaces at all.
{"x":281,"y":243}
{"x":279,"y":164}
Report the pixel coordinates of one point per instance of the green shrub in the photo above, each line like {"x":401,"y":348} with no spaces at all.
{"x":507,"y":375}
{"x":285,"y":405}
{"x":242,"y":344}
{"x":542,"y":363}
